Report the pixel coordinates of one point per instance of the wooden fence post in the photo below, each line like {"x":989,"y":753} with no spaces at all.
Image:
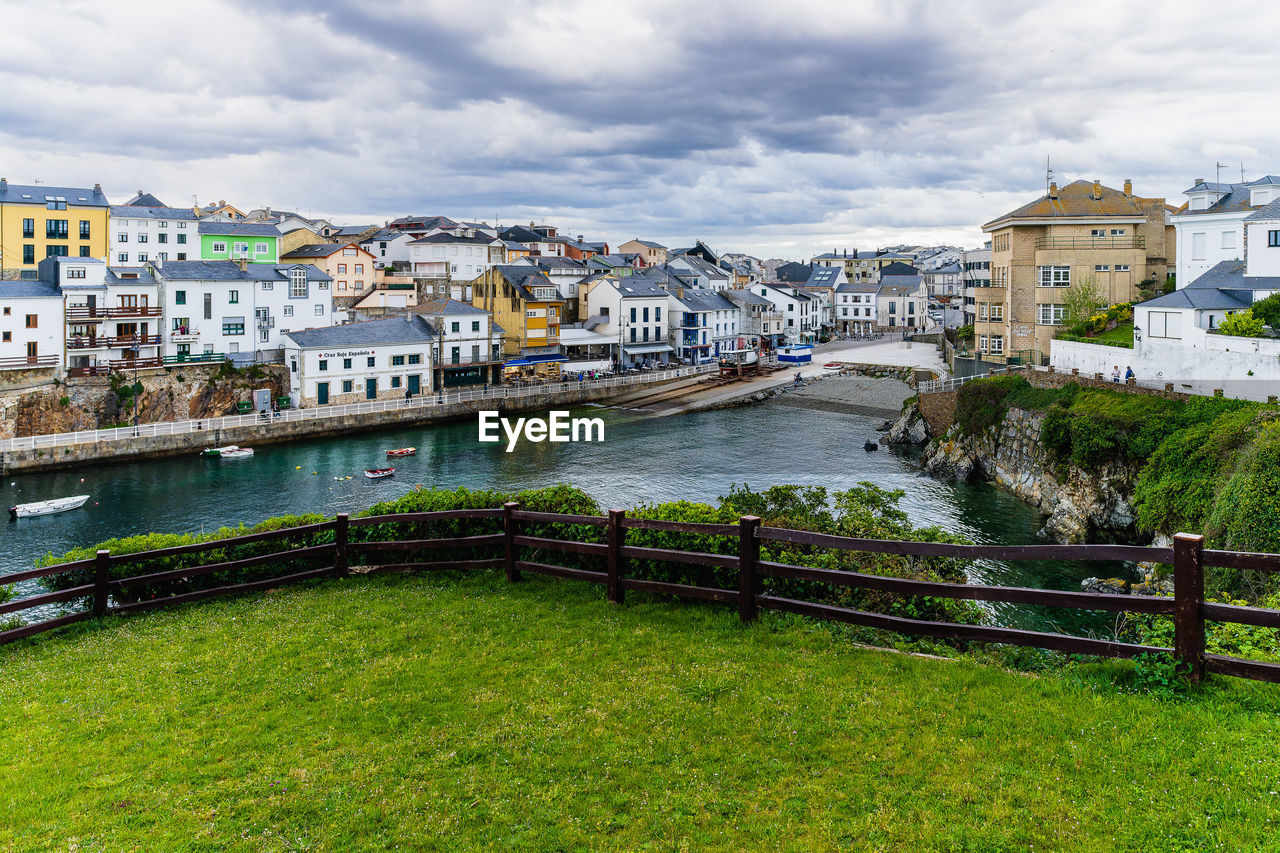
{"x":617,"y":535}
{"x":101,"y":577}
{"x":509,"y":539}
{"x":748,"y":567}
{"x":341,"y":530}
{"x":1188,"y":601}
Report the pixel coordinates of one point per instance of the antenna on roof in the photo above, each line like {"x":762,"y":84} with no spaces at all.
{"x":1048,"y":175}
{"x":1242,"y":173}
{"x":1219,"y":167}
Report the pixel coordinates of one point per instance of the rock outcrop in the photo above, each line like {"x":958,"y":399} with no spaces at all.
{"x":1082,"y":506}
{"x":909,"y":428}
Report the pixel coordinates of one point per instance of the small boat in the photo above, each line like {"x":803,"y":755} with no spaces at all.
{"x":870,"y":446}
{"x":832,"y":365}
{"x":237,"y":453}
{"x":403,"y":451}
{"x":379,"y":473}
{"x":47,"y":507}
{"x":219,"y":451}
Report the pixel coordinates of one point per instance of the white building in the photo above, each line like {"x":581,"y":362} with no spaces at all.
{"x":468,"y":343}
{"x":801,"y":312}
{"x":31,"y":325}
{"x":901,"y":302}
{"x":113,"y":315}
{"x":855,"y":308}
{"x":238,"y":309}
{"x":632,"y":312}
{"x":946,"y":280}
{"x":698,"y":272}
{"x":140,"y":234}
{"x":702,"y":323}
{"x":760,"y":322}
{"x":388,"y":246}
{"x":1211,"y":228}
{"x":975,"y":266}
{"x":461,"y":253}
{"x":354,"y":362}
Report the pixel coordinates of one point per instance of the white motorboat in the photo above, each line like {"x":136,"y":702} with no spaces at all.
{"x":219,"y":451}
{"x":47,"y":507}
{"x":236,"y":453}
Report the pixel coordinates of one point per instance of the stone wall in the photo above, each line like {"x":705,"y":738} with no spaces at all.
{"x":938,"y":411}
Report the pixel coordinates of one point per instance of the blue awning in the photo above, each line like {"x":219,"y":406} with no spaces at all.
{"x":543,"y":359}
{"x":517,"y":362}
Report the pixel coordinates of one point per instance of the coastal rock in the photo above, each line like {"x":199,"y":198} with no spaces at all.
{"x":910,"y":428}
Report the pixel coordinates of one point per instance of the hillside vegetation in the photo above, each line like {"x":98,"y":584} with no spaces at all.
{"x":431,"y":712}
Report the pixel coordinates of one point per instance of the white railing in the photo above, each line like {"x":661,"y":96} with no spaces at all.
{"x":951,"y":383}
{"x":425,"y":401}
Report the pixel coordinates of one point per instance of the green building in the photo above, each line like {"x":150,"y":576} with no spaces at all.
{"x":231,"y":241}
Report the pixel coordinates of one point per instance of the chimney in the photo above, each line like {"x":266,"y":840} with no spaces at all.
{"x":1097,"y":190}
{"x":1128,"y":187}
{"x":243,"y":263}
{"x":1199,"y":181}
{"x":1053,"y":189}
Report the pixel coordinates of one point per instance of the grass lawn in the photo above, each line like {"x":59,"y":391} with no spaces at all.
{"x":436,"y":713}
{"x":1123,"y":334}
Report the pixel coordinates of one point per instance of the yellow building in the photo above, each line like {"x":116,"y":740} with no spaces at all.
{"x":40,"y":221}
{"x":1081,"y":233}
{"x":525,"y":305}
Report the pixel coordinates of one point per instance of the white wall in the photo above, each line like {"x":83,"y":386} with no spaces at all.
{"x":49,"y":334}
{"x":1213,"y":226}
{"x":134,"y":230}
{"x":1263,"y":259}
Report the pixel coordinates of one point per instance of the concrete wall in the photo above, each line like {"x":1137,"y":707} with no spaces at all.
{"x":276,"y":432}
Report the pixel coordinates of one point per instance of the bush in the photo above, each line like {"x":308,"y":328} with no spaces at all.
{"x":1268,"y":311}
{"x":1242,"y":325}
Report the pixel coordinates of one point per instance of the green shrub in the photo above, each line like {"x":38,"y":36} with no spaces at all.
{"x":1241,"y":324}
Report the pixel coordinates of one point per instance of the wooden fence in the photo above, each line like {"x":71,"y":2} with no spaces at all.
{"x":512,"y":548}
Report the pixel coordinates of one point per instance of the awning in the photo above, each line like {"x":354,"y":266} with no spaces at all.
{"x":234,"y":321}
{"x":646,"y":349}
{"x":517,"y":362}
{"x":543,"y":359}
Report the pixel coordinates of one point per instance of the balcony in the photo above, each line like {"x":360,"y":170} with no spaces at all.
{"x":1091,"y":242}
{"x":81,"y":313}
{"x":28,"y":362}
{"x":119,"y":342}
{"x":459,"y":360}
{"x":184,"y":335}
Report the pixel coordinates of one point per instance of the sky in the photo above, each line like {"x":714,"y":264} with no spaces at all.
{"x":777,"y":129}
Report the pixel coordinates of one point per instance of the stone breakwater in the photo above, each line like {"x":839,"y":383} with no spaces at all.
{"x":1081,"y":506}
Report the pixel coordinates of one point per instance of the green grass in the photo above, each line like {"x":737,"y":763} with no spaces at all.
{"x":429,"y":713}
{"x":1121,"y":334}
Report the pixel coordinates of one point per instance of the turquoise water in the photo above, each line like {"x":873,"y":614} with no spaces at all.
{"x":696,"y":456}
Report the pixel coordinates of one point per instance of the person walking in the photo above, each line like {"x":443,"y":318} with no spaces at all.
{"x":1115,"y":374}
{"x":1129,"y":376}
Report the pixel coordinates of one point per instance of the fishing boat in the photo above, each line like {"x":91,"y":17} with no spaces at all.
{"x":47,"y":507}
{"x":236,"y":453}
{"x":219,"y":451}
{"x":403,"y":451}
{"x":379,"y":473}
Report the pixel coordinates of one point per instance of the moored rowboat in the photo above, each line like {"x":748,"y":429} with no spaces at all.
{"x":379,"y":473}
{"x":47,"y":507}
{"x":403,"y":451}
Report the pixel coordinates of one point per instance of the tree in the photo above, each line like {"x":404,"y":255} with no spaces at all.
{"x":1268,"y":311}
{"x":1083,"y":299}
{"x":1241,"y":325}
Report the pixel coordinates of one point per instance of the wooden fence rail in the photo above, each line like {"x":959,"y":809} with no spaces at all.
{"x":514,"y":545}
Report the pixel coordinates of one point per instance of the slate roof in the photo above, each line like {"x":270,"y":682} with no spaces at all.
{"x":1267,"y":211}
{"x":140,"y":275}
{"x":238,"y":229}
{"x":521,"y":234}
{"x":698,"y":299}
{"x":142,"y":199}
{"x":1209,"y":186}
{"x":391,"y":330}
{"x":387,"y":234}
{"x":746,"y":296}
{"x":451,"y":237}
{"x":76,"y":196}
{"x":423,"y":222}
{"x":1205,"y":299}
{"x":898,"y":268}
{"x":129,"y":211}
{"x":638,"y":287}
{"x":1076,"y":199}
{"x":230,"y":271}
{"x":29,"y":289}
{"x":315,"y":250}
{"x":853,"y":287}
{"x":794,"y":272}
{"x":649,"y":244}
{"x":902,"y":282}
{"x":824,"y":276}
{"x":445,"y":305}
{"x":1224,"y":285}
{"x":524,"y":277}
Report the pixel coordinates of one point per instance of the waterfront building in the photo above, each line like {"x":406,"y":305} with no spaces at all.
{"x":855,"y":308}
{"x":371,"y":360}
{"x":651,"y":254}
{"x":822,"y":283}
{"x":760,"y":322}
{"x":631,"y":312}
{"x":525,"y":305}
{"x":468,"y":343}
{"x":462,"y":254}
{"x":1082,"y":232}
{"x":142,"y":232}
{"x":351,"y":267}
{"x":703,"y":323}
{"x":696,"y":271}
{"x":226,"y":240}
{"x":801,"y":311}
{"x":901,"y":301}
{"x":1210,"y":227}
{"x":238,"y":309}
{"x":37,"y":222}
{"x":31,"y":325}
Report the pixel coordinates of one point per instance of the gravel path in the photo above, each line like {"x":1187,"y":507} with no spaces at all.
{"x":851,"y":394}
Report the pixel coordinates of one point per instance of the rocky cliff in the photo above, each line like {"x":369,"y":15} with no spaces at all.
{"x":1081,"y":506}
{"x":174,"y":394}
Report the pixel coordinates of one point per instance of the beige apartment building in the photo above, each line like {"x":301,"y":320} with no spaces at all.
{"x":1083,"y":231}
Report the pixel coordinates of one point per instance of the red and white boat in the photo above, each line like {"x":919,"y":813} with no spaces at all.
{"x":403,"y":451}
{"x":379,"y":473}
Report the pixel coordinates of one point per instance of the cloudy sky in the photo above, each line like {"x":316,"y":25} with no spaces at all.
{"x":777,"y":128}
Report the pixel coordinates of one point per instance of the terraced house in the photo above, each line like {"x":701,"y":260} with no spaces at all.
{"x":525,"y":305}
{"x":1082,"y":232}
{"x":236,"y":241}
{"x":37,"y":222}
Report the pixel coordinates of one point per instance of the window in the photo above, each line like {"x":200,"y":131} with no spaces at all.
{"x":297,"y":284}
{"x":164,"y":256}
{"x":1117,"y":232}
{"x":415,"y":358}
{"x":56,"y":229}
{"x":120,"y":238}
{"x":29,"y":229}
{"x":32,"y":321}
{"x":288,"y":310}
{"x":28,"y":254}
{"x":142,"y":238}
{"x":8,"y":336}
{"x":1164,"y":324}
{"x":218,"y":247}
{"x":1098,"y":232}
{"x":162,"y":238}
{"x":181,"y":324}
{"x":84,"y":229}
{"x":1273,"y":238}
{"x":397,"y":361}
{"x":182,"y":225}
{"x":348,"y":386}
{"x":179,"y":297}
{"x":395,"y":381}
{"x":55,"y":203}
{"x":342,"y":269}
{"x":1050,"y":314}
{"x":359,"y":269}
{"x":162,"y":224}
{"x":233,"y":296}
{"x":1055,"y":276}
{"x":455,"y":327}
{"x":1102,"y":268}
{"x":349,"y":252}
{"x":1197,"y":246}
{"x":997,"y":344}
{"x":475,"y":325}
{"x":182,"y":238}
{"x":266,"y":285}
{"x":372,"y":361}
{"x":261,"y":248}
{"x":324,"y":364}
{"x":122,"y":258}
{"x":182,"y":256}
{"x":242,"y":249}
{"x":84,"y":251}
{"x":342,"y":286}
{"x":208,"y":306}
{"x":142,"y":257}
{"x":1228,"y":239}
{"x":75,"y":272}
{"x":319,"y":310}
{"x":232,"y":328}
{"x":997,"y":312}
{"x":1122,"y":267}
